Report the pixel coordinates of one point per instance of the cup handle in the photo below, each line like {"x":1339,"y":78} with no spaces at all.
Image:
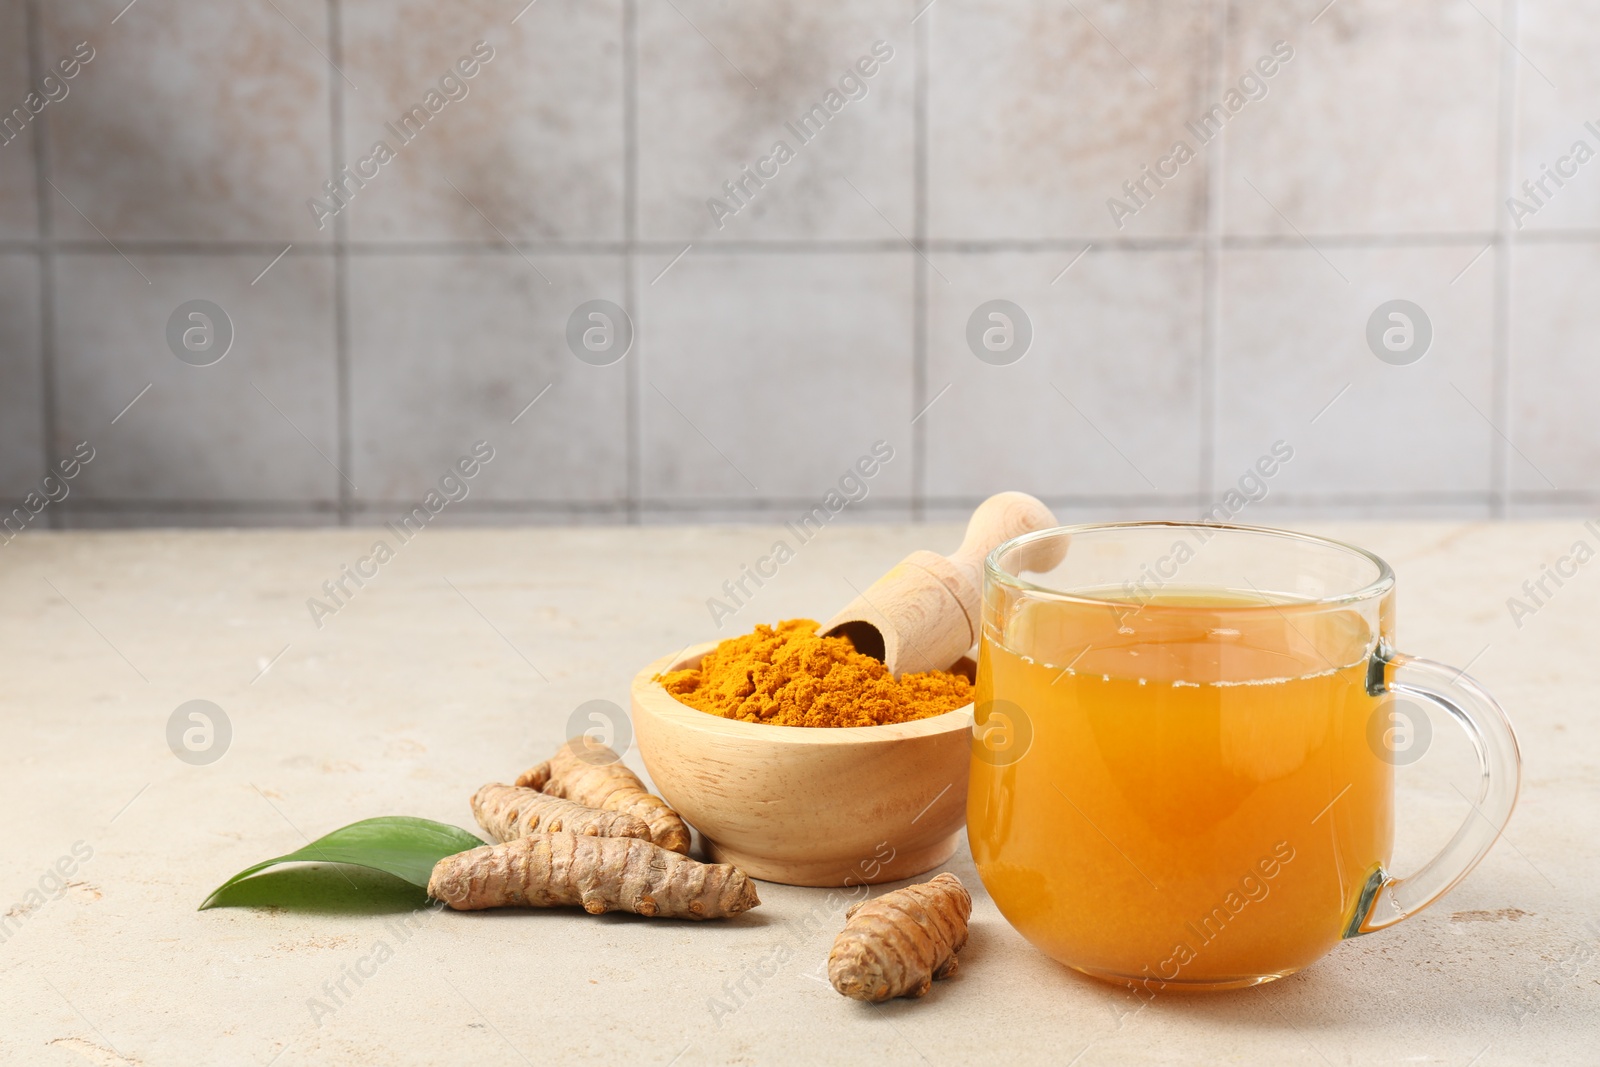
{"x":1386,"y":900}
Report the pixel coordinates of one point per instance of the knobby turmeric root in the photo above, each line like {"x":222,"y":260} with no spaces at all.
{"x":897,"y":944}
{"x":593,"y":774}
{"x":599,"y":874}
{"x":534,"y":777}
{"x":507,"y":812}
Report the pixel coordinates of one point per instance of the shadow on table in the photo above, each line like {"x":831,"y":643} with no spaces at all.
{"x":1384,"y":983}
{"x":1325,"y":998}
{"x":750,"y":920}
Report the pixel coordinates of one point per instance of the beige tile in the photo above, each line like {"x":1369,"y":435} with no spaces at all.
{"x":258,"y":426}
{"x":22,"y":459}
{"x":1289,"y":509}
{"x":474,"y":513}
{"x":231,"y":518}
{"x":1557,"y":87}
{"x":192,"y":121}
{"x":1105,"y":401}
{"x":1556,"y":290}
{"x":18,"y":198}
{"x":1384,"y":121}
{"x":768,"y":376}
{"x":1296,"y":367}
{"x":535,"y":144}
{"x":874,"y":510}
{"x":1039,"y":111}
{"x":446,"y":351}
{"x":719,"y":80}
{"x":1074,"y":509}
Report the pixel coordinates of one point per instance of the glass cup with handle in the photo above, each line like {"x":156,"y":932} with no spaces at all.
{"x":1184,"y":748}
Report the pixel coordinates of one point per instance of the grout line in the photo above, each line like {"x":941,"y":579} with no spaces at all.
{"x":1072,"y":264}
{"x":633,"y":369}
{"x":663,"y":272}
{"x":103,"y":236}
{"x":341,"y":265}
{"x":1472,"y":239}
{"x":503,"y":235}
{"x":1465,"y":505}
{"x":932,"y":402}
{"x":375,"y":509}
{"x":1211,"y":261}
{"x":1537,"y":497}
{"x":1471,"y":263}
{"x":40,"y":143}
{"x":920,"y":310}
{"x":1500,"y":340}
{"x":274,"y":263}
{"x":385,"y":506}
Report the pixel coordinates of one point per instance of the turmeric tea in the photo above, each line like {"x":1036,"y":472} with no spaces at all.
{"x":788,"y":675}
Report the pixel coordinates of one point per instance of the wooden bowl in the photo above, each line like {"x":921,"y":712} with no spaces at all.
{"x":806,"y":805}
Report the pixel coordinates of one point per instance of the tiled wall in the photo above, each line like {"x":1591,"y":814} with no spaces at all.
{"x":1227,"y":312}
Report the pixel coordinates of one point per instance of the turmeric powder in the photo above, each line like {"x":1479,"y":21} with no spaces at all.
{"x":788,"y":675}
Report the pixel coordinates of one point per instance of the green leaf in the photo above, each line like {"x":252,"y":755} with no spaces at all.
{"x":333,"y":889}
{"x":398,"y":845}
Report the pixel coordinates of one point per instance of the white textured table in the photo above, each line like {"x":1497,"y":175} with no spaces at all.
{"x":461,"y":662}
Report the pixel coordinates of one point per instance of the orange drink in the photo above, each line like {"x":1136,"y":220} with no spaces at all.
{"x":1184,"y":785}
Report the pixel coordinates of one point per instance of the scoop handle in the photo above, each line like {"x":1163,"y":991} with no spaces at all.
{"x":923,"y":614}
{"x":994,"y":522}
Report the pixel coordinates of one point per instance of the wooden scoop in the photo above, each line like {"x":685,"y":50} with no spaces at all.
{"x":924,"y":614}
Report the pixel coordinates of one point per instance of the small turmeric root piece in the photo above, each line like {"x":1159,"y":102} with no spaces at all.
{"x":897,"y":944}
{"x":507,"y":812}
{"x":598,"y":874}
{"x":593,"y":774}
{"x":534,"y":777}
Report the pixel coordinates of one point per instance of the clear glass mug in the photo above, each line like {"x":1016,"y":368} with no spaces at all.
{"x":1182,"y":771}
